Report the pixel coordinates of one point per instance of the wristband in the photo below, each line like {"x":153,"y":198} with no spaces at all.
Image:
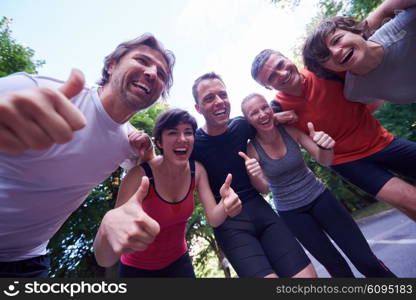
{"x":323,"y":148}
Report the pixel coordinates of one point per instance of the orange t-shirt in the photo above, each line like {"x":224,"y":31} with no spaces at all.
{"x":356,"y":132}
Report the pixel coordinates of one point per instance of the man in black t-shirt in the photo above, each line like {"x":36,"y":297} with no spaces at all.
{"x":256,"y":242}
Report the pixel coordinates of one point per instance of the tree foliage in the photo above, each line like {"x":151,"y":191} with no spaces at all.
{"x":13,"y":56}
{"x":357,"y":8}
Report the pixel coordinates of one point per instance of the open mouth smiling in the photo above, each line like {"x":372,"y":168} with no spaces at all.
{"x":141,"y":86}
{"x":347,"y":56}
{"x":180,"y":151}
{"x":219,"y":112}
{"x":287,"y":79}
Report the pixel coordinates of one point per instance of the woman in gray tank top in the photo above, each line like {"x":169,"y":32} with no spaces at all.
{"x":274,"y":162}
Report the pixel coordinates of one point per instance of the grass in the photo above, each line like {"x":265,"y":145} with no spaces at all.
{"x":370,"y":210}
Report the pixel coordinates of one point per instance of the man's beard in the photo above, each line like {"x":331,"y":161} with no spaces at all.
{"x":131,"y":101}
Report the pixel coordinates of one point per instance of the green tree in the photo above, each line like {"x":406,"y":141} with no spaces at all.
{"x":203,"y":246}
{"x":13,"y":56}
{"x":357,"y":8}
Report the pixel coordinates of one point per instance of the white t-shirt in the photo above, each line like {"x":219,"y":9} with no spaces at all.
{"x":394,"y":79}
{"x":40,"y":189}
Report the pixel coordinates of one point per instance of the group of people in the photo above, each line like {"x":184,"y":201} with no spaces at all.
{"x":58,"y":140}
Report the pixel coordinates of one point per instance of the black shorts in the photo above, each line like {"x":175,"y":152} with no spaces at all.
{"x":182,"y":267}
{"x":371,"y":173}
{"x":258,"y":243}
{"x":28,"y":268}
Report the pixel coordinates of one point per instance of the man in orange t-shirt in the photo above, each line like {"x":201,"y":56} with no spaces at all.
{"x":365,"y":152}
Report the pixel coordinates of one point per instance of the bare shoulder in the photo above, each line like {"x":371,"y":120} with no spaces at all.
{"x":293,"y":132}
{"x":134,"y":173}
{"x":251,"y":150}
{"x":199,"y":168}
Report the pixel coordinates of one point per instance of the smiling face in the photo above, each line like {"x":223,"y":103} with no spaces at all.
{"x":259,"y":113}
{"x":347,"y":51}
{"x":177,"y":142}
{"x":280,"y":73}
{"x":139,"y":78}
{"x":213,"y":103}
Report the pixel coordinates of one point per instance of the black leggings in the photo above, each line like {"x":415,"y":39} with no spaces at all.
{"x":325,"y":215}
{"x":258,"y":243}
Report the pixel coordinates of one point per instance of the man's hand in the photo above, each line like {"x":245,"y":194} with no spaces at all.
{"x":232,"y":203}
{"x":128,"y":228}
{"x":252,"y":165}
{"x":285,"y":117}
{"x":40,"y":117}
{"x":323,"y":140}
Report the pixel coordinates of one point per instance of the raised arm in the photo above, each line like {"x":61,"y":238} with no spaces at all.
{"x":319,"y":144}
{"x":230,"y":204}
{"x":386,"y":10}
{"x":126,"y":228}
{"x":39,"y":117}
{"x":142,"y":142}
{"x":282,"y":117}
{"x":254,"y":170}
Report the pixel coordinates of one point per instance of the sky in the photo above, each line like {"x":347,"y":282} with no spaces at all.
{"x":205,"y":35}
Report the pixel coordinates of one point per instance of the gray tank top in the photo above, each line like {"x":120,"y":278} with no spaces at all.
{"x":292,"y":183}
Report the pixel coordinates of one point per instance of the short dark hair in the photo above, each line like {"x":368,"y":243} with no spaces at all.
{"x":315,"y":52}
{"x":259,"y":62}
{"x":248,"y":98}
{"x":206,"y":76}
{"x":146,"y":39}
{"x":169,"y":119}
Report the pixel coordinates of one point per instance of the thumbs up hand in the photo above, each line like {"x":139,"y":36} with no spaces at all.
{"x":252,"y":165}
{"x":40,"y":117}
{"x":232,"y":203}
{"x":128,"y":228}
{"x":321,"y":139}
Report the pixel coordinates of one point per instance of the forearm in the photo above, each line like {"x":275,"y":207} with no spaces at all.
{"x":260,"y":183}
{"x":104,"y":254}
{"x":217,"y":215}
{"x":389,"y":7}
{"x":387,"y":10}
{"x":325,"y":157}
{"x":148,"y":154}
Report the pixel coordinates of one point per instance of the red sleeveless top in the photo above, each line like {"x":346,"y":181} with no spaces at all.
{"x":170,"y":243}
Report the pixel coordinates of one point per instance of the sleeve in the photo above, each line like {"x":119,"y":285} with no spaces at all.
{"x":130,"y":162}
{"x":276,"y":106}
{"x":243,"y":127}
{"x":16,"y":82}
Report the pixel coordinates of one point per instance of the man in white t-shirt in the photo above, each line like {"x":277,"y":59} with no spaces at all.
{"x":58,"y":140}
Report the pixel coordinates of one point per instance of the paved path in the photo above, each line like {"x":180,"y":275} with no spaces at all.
{"x":392,"y":236}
